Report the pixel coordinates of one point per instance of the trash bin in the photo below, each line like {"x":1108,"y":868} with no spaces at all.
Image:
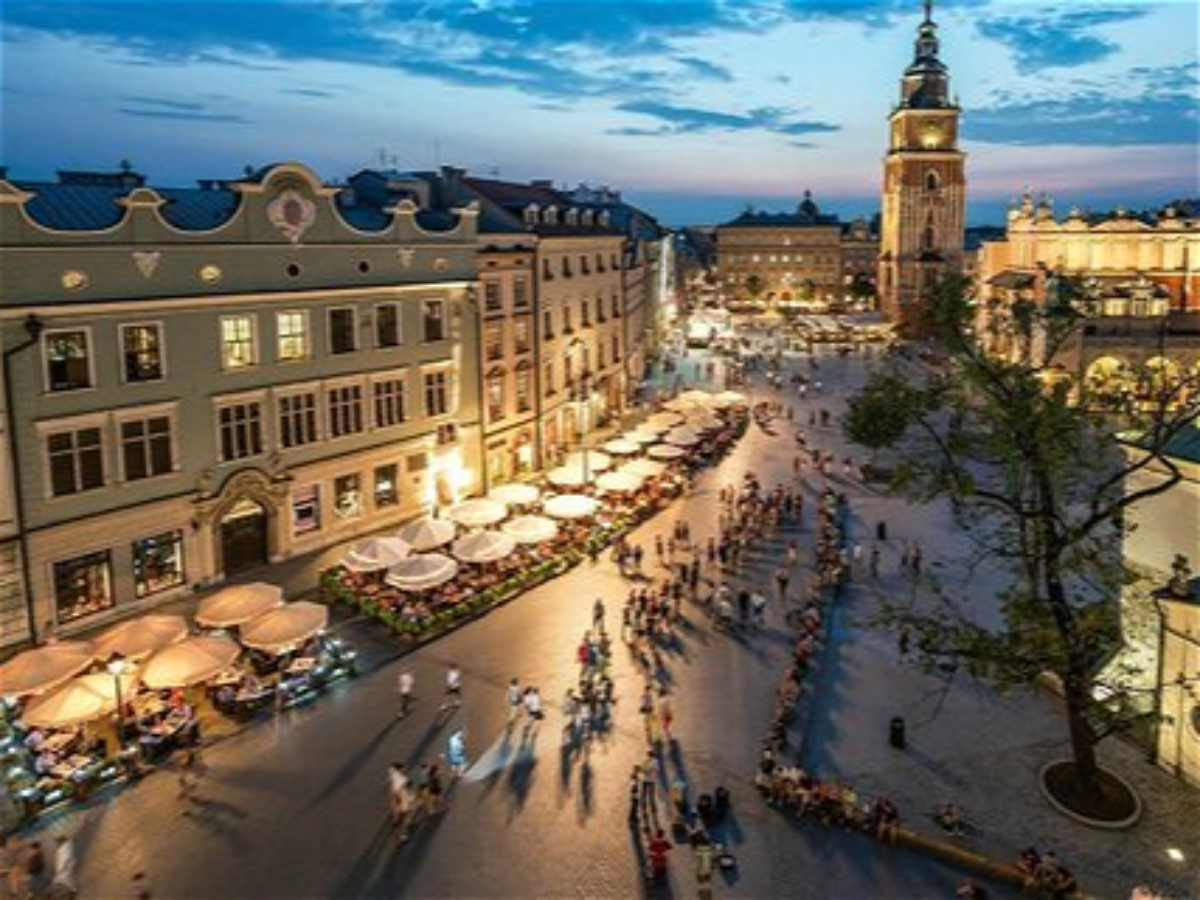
{"x":896,"y":733}
{"x":881,"y":531}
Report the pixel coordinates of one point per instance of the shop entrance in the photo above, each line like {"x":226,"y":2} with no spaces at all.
{"x":244,"y":537}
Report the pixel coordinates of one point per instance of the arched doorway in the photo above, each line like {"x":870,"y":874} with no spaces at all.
{"x":243,"y":534}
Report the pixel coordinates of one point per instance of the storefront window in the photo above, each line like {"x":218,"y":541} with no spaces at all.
{"x":387,"y":485}
{"x":306,"y":510}
{"x":83,"y":586}
{"x":347,"y":497}
{"x":158,"y":563}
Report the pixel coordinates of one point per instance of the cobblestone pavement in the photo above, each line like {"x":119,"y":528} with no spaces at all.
{"x":296,"y":807}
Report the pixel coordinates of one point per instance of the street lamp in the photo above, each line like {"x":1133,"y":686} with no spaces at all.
{"x":117,"y":668}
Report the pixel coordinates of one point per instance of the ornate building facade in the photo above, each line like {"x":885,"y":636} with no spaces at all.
{"x":924,"y":184}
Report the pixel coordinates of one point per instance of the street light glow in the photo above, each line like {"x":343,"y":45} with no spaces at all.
{"x":1175,"y":854}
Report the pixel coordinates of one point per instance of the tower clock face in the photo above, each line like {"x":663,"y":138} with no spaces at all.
{"x":931,"y":135}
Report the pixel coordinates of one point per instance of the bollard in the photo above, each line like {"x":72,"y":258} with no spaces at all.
{"x":896,"y":733}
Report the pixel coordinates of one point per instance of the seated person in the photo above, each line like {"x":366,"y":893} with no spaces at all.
{"x":950,"y":820}
{"x":35,"y":739}
{"x":45,"y":762}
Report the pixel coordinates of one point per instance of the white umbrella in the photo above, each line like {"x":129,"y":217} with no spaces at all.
{"x":531,"y":529}
{"x":570,"y":506}
{"x":700,"y":398}
{"x":569,"y":476}
{"x":484,"y":547}
{"x":680,"y":404}
{"x":238,"y":603}
{"x":418,"y":573}
{"x":682,"y":437}
{"x":644,"y":468}
{"x":732,"y":398}
{"x":374,"y":554}
{"x":592,"y":460}
{"x":643,"y":435}
{"x":618,"y":482}
{"x":663,"y":420}
{"x":190,"y":661}
{"x":425,"y":534}
{"x":515,"y":494}
{"x":478,"y":513}
{"x":666,"y":451}
{"x":39,"y":670}
{"x":285,"y":626}
{"x":80,"y":700}
{"x":135,"y":638}
{"x":702,"y":422}
{"x":622,"y":447}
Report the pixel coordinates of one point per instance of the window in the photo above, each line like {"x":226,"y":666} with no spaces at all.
{"x":237,"y":342}
{"x":387,"y":485}
{"x":142,"y":352}
{"x":158,"y":563}
{"x":616,"y":306}
{"x":76,"y":461}
{"x":389,"y":401}
{"x":931,"y":181}
{"x":418,"y":462}
{"x":345,"y":410}
{"x":600,"y":263}
{"x":146,"y":447}
{"x":548,"y":376}
{"x":616,"y":348}
{"x":521,"y":336}
{"x":433,"y":320}
{"x":584,"y":267}
{"x":523,"y":391}
{"x":615,"y":264}
{"x":495,"y":398}
{"x":566,"y":267}
{"x":567,"y":329}
{"x":585,"y":312}
{"x":437,"y":393}
{"x":306,"y":509}
{"x":298,"y":422}
{"x":547,"y":325}
{"x":547,"y":271}
{"x":520,"y":292}
{"x":292,"y":333}
{"x":492,"y":301}
{"x":68,"y":360}
{"x":343,"y":337}
{"x":493,"y":341}
{"x":83,"y":586}
{"x":347,"y":497}
{"x":387,"y":325}
{"x":240,"y":427}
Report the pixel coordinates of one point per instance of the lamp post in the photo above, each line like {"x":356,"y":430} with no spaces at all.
{"x":117,"y":668}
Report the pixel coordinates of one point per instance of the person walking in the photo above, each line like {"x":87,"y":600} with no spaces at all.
{"x":37,"y":870}
{"x":399,"y":793}
{"x":514,"y":700}
{"x":598,"y":615}
{"x":404,"y":685}
{"x":453,"y":688}
{"x":649,"y":785}
{"x":533,"y":704}
{"x":782,"y":579}
{"x":635,"y":794}
{"x":65,"y":882}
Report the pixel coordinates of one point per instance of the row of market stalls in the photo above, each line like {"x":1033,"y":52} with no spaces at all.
{"x":80,"y":714}
{"x":439,"y":568}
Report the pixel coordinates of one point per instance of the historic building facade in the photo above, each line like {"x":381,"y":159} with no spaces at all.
{"x":924,"y":184}
{"x":224,"y":377}
{"x":804,"y":260}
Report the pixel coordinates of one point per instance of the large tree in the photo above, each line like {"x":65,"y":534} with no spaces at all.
{"x":1040,"y":467}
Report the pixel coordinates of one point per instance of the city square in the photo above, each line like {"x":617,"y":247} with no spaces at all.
{"x":410,"y":530}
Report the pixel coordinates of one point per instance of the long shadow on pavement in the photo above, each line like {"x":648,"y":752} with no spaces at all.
{"x":352,"y":766}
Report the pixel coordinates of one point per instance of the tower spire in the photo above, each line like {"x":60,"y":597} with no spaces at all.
{"x":928,"y":12}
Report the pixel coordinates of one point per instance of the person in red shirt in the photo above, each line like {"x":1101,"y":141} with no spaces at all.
{"x":657,"y":848}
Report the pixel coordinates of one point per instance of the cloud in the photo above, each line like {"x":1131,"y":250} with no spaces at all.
{"x":308,"y":92}
{"x":702,"y":68}
{"x":1059,"y":40}
{"x":692,"y":120}
{"x":182,"y":116}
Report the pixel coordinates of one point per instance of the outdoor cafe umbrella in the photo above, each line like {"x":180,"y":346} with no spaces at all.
{"x":515,"y":494}
{"x":622,"y":447}
{"x":39,"y":670}
{"x":666,"y":451}
{"x":80,"y":700}
{"x":135,"y":638}
{"x":375,"y":553}
{"x":731,"y":398}
{"x":618,"y":482}
{"x":681,"y":404}
{"x":703,"y":422}
{"x":418,"y":573}
{"x":425,"y":534}
{"x":237,"y":604}
{"x":531,"y":529}
{"x":643,"y":435}
{"x":702,"y":398}
{"x":569,"y":476}
{"x":477,"y":513}
{"x":191,"y":661}
{"x":570,"y":506}
{"x":663,"y":420}
{"x":682,"y":437}
{"x":484,"y":547}
{"x":592,"y":460}
{"x":285,"y":626}
{"x":644,"y":468}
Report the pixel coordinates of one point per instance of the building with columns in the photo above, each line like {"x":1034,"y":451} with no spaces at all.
{"x":224,"y":376}
{"x":924,"y":184}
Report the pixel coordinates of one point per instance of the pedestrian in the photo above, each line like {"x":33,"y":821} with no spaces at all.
{"x":456,"y":753}
{"x":635,"y":793}
{"x":875,"y":561}
{"x":903,"y":641}
{"x":514,"y":699}
{"x":781,"y":581}
{"x":657,"y":848}
{"x":598,"y":615}
{"x":705,"y":859}
{"x":37,"y":870}
{"x":139,"y":887}
{"x":666,"y":715}
{"x":758,"y":603}
{"x":453,"y":687}
{"x":649,"y":783}
{"x":404,"y":685}
{"x":533,"y":704}
{"x":65,"y":883}
{"x":916,"y":559}
{"x":399,"y":793}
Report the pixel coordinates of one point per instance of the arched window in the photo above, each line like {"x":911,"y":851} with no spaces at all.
{"x":932,"y":182}
{"x":928,"y":237}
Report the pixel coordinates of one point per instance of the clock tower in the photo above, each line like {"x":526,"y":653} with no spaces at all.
{"x":924,"y":185}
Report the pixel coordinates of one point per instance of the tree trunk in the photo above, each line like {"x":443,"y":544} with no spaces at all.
{"x":1077,"y":680}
